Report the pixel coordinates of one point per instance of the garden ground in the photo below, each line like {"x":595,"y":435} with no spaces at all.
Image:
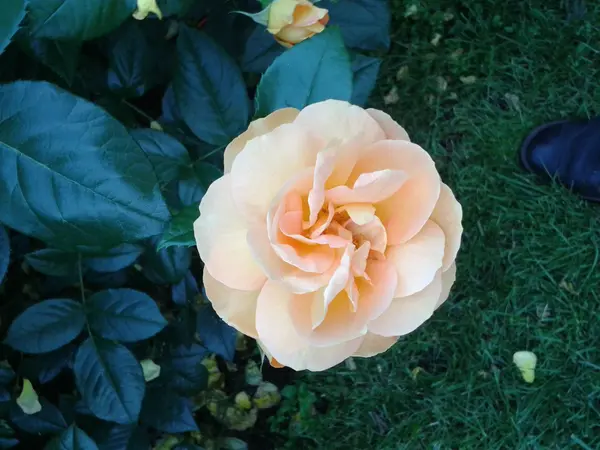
{"x":528,"y":275}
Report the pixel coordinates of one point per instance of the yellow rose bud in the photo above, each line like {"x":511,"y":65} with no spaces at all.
{"x":28,"y":401}
{"x":293,"y":21}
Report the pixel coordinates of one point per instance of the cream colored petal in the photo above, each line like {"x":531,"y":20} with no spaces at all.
{"x":341,"y":323}
{"x":333,"y":166}
{"x":374,"y":232}
{"x":257,"y":128}
{"x":294,"y":34}
{"x":376,"y":295}
{"x":360,"y":213}
{"x":390,"y":127}
{"x":279,"y":336}
{"x":266,"y":164}
{"x":373,"y":345}
{"x":339,"y":122}
{"x":406,"y":314}
{"x":418,"y":260}
{"x":448,"y":215}
{"x":281,"y":13}
{"x":236,"y":308}
{"x":220,"y":233}
{"x":405,"y":212}
{"x":372,"y":187}
{"x":308,"y":14}
{"x":336,"y":284}
{"x":448,"y":278}
{"x":275,"y":269}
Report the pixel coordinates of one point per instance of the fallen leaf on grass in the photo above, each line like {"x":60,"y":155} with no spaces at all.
{"x":468,"y":79}
{"x":513,"y":101}
{"x":526,"y":362}
{"x":392,"y":97}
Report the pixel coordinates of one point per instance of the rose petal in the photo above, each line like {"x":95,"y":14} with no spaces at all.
{"x":255,"y":129}
{"x":266,"y":164}
{"x":448,"y":215}
{"x":372,"y":187}
{"x":278,"y":334}
{"x":220,"y":232}
{"x":236,"y":308}
{"x":389,"y":126}
{"x":308,"y":14}
{"x":405,"y":212}
{"x":360,"y":213}
{"x":339,"y":122}
{"x":377,"y":294}
{"x":374,"y":344}
{"x":281,"y":13}
{"x":374,"y":232}
{"x":406,"y":314}
{"x":418,"y":260}
{"x":295,"y":35}
{"x":448,"y":278}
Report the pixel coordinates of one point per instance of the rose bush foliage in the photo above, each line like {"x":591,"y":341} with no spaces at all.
{"x":117,"y":119}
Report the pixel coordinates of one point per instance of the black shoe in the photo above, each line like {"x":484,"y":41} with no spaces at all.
{"x":567,"y":152}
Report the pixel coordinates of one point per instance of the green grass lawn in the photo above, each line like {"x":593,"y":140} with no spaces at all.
{"x":528,"y":272}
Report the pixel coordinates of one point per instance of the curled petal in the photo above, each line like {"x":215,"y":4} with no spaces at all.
{"x":374,"y":232}
{"x":257,"y":128}
{"x":236,"y":308}
{"x":406,"y":314}
{"x":448,"y":278}
{"x":220,"y":232}
{"x":267,"y":163}
{"x":373,"y":187}
{"x":418,"y":260}
{"x":448,"y":215}
{"x":389,"y":126}
{"x":405,"y":212}
{"x":279,"y":336}
{"x":374,"y":344}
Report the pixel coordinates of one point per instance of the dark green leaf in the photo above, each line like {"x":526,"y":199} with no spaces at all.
{"x":204,"y":174}
{"x":168,"y":157}
{"x":185,"y":291}
{"x":13,"y":12}
{"x":260,"y":50}
{"x":115,"y":259}
{"x":62,"y":57}
{"x":124,"y":315}
{"x":52,"y":262}
{"x":4,"y":253}
{"x":139,"y":57}
{"x":46,"y":326}
{"x":182,"y":370}
{"x":180,"y":231}
{"x":73,"y":174}
{"x":177,"y":8}
{"x":110,"y":380}
{"x":7,"y":436}
{"x":365,"y":70}
{"x":48,"y":421}
{"x":46,"y":367}
{"x":72,"y":439}
{"x":365,"y":24}
{"x":166,"y":266}
{"x":168,"y":412}
{"x":7,"y":374}
{"x":78,"y":20}
{"x":216,"y":335}
{"x":209,"y":89}
{"x":112,"y":280}
{"x":312,"y":71}
{"x":123,"y":437}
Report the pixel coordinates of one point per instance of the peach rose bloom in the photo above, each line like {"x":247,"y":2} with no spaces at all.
{"x":293,"y":21}
{"x":329,"y":235}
